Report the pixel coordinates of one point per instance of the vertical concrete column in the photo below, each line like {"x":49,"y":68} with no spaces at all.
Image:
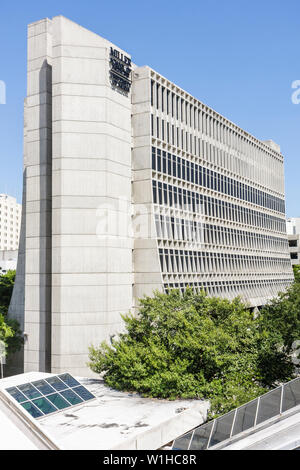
{"x":38,"y":171}
{"x":147,"y":272}
{"x":91,"y":244}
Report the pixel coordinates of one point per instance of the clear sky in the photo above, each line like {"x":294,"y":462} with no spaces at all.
{"x":239,"y":57}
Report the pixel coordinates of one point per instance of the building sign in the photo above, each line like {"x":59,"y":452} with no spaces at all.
{"x":120,"y":70}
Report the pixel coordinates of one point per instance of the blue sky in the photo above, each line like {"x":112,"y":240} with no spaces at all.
{"x":237,"y":56}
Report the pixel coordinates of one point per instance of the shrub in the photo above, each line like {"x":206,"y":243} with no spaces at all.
{"x":193,"y":346}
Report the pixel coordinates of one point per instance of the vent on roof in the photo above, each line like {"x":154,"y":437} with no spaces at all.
{"x":50,"y":395}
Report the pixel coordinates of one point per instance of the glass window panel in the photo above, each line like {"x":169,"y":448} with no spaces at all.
{"x":182,"y":443}
{"x":222,"y":429}
{"x":44,"y":405}
{"x":69,"y":380}
{"x":16,"y":394}
{"x":29,"y":391}
{"x":58,"y":401}
{"x":57,"y":383}
{"x":291,"y":395}
{"x":35,"y":413}
{"x":83,"y":393}
{"x":71,"y":397}
{"x":245,"y":417}
{"x":201,"y":436}
{"x":43,"y":387}
{"x":269,"y":405}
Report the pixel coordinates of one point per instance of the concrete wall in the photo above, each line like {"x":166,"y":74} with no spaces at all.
{"x":91,"y":246}
{"x":147,"y":272}
{"x":37,"y":324}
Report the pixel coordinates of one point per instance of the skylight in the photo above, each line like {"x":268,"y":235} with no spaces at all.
{"x":49,"y":395}
{"x":264,"y":408}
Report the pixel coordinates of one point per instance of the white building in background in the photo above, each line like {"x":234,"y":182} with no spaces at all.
{"x":8,"y":260}
{"x":293,"y":230}
{"x":293,"y":225}
{"x":131,"y":184}
{"x":10,"y":222}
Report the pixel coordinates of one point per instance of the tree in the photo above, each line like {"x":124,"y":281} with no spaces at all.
{"x":296,"y":269}
{"x":10,"y":333}
{"x":193,"y":346}
{"x":6,"y":288}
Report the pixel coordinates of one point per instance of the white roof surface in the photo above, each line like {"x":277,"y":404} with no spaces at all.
{"x":11,"y":437}
{"x":113,"y":420}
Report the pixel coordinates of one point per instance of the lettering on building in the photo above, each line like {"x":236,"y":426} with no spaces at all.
{"x":120,"y":71}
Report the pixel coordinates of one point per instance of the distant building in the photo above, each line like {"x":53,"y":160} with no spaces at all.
{"x":8,"y":260}
{"x":10,"y":222}
{"x":293,"y":225}
{"x":293,"y":231}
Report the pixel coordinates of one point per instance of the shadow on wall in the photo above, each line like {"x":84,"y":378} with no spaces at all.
{"x":43,"y":239}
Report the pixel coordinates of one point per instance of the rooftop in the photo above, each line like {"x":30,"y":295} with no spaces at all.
{"x":113,"y":420}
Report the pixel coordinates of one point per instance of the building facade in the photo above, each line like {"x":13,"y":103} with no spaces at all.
{"x":10,"y":222}
{"x":130,"y":185}
{"x":293,"y":231}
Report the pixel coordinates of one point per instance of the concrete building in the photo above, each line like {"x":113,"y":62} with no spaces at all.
{"x":293,"y":225}
{"x":130,"y":185}
{"x":10,"y":222}
{"x":293,"y":231}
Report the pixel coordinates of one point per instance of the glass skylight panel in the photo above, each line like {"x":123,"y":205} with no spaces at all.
{"x":291,"y":395}
{"x":33,"y":410}
{"x":83,"y":393}
{"x":57,"y":383}
{"x":58,"y":401}
{"x":222,"y":428}
{"x":245,"y":417}
{"x":14,"y":392}
{"x":44,"y":405}
{"x":43,"y":387}
{"x":201,"y":437}
{"x":69,"y":380}
{"x":30,"y":391}
{"x":72,"y":397}
{"x":270,"y":405}
{"x":43,"y":397}
{"x":182,"y":442}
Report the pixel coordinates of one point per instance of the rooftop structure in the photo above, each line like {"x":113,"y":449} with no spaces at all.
{"x":271,"y":421}
{"x":107,"y":420}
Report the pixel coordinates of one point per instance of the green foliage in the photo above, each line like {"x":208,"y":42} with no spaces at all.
{"x":10,"y":332}
{"x":193,"y":346}
{"x":6,"y":288}
{"x":296,"y":269}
